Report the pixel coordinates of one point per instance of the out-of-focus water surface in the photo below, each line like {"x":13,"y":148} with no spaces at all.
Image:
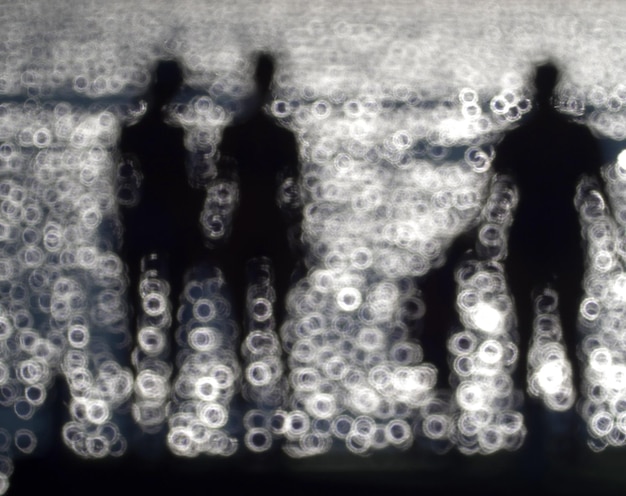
{"x":396,"y":109}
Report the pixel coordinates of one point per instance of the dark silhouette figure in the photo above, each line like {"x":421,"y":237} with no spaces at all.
{"x":260,"y":154}
{"x":166,"y":219}
{"x":547,"y":156}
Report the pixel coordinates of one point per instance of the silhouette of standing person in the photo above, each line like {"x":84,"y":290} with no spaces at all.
{"x":260,"y":153}
{"x":166,"y":219}
{"x":546,"y":156}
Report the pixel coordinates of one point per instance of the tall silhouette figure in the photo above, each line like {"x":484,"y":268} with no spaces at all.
{"x":546,"y":156}
{"x":260,"y":153}
{"x":166,"y":219}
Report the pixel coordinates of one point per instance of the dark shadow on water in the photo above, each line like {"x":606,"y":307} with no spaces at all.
{"x":547,"y":155}
{"x":166,"y":219}
{"x":259,"y":154}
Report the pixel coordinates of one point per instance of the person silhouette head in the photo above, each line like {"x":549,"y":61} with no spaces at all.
{"x":264,"y":74}
{"x":546,"y":79}
{"x":168,"y":78}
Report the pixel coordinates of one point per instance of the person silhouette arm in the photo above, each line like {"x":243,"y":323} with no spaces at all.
{"x":227,"y":155}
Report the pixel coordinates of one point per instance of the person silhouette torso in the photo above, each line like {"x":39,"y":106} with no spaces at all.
{"x":546,"y":156}
{"x":166,"y":219}
{"x":260,"y":153}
